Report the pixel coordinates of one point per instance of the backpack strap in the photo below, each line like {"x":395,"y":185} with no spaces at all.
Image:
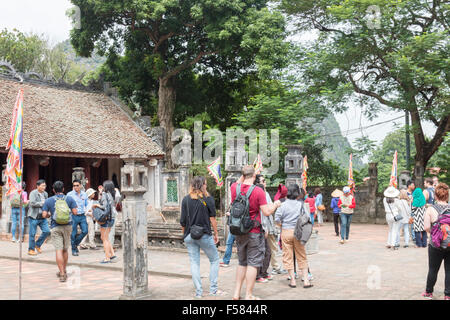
{"x":250,"y":190}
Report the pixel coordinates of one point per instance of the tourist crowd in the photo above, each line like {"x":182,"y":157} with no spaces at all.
{"x":66,"y":214}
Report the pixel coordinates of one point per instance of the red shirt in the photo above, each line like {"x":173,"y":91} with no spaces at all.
{"x":312,"y":204}
{"x":256,"y":200}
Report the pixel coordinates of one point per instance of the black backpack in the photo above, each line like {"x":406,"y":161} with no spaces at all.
{"x":239,"y":220}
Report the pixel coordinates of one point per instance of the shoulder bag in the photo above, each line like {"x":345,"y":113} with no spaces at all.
{"x":196,"y":231}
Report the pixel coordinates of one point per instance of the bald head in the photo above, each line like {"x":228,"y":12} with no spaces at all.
{"x":248,"y":171}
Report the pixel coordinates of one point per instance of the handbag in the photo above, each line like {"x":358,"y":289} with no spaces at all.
{"x":196,"y":231}
{"x":397,"y":217}
{"x":321,"y":207}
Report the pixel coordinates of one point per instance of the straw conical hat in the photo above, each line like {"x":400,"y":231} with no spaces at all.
{"x":337,"y":193}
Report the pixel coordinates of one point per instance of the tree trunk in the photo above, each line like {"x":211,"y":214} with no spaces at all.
{"x":166,"y":107}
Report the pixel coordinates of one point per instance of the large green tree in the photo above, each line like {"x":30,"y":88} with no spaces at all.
{"x":167,"y":37}
{"x":397,"y":58}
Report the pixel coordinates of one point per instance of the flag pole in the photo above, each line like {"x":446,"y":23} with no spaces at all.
{"x":20,"y":246}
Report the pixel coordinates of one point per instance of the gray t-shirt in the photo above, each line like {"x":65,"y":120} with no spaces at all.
{"x":288,"y":213}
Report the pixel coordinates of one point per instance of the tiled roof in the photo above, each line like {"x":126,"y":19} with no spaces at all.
{"x":58,"y":120}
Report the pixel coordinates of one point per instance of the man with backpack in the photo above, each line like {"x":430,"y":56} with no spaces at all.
{"x":245,"y":223}
{"x":60,"y":208}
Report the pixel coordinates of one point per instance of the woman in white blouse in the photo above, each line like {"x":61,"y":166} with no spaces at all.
{"x":404,"y":208}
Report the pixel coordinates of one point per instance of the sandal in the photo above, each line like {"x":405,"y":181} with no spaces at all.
{"x":63,"y":278}
{"x":308,"y":286}
{"x":105,"y":261}
{"x":292,"y":286}
{"x":238,"y":298}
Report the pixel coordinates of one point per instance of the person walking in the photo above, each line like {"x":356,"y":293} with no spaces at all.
{"x":335,"y":195}
{"x":35,"y":218}
{"x":286,"y":216}
{"x":79,"y":219}
{"x":311,"y":201}
{"x":436,"y":253}
{"x":404,"y":209}
{"x":250,"y":246}
{"x":16,"y":215}
{"x":320,"y":208}
{"x":198,"y":214}
{"x":225,"y":263}
{"x":418,"y":211}
{"x":390,"y":202}
{"x":61,"y":209}
{"x":346,"y":204}
{"x":89,"y":241}
{"x":106,"y":202}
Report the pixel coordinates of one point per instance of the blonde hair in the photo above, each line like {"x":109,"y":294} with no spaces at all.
{"x":195,"y":189}
{"x":403,"y":195}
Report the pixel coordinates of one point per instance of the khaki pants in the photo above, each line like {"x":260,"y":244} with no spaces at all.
{"x":272,"y":241}
{"x":89,"y":240}
{"x":290,"y":244}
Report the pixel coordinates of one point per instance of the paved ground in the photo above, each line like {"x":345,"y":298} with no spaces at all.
{"x":360,"y":269}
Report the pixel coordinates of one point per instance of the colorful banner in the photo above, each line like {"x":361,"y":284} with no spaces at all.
{"x":351,"y":181}
{"x":393,"y":181}
{"x":258,"y":165}
{"x":14,"y":164}
{"x":305,"y":174}
{"x":215,"y":172}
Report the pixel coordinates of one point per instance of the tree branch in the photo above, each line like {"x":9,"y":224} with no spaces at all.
{"x":186,"y":64}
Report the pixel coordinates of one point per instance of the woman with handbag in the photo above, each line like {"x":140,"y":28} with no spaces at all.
{"x":320,"y":208}
{"x":106,"y":202}
{"x":393,"y":217}
{"x":418,"y":211}
{"x":198,"y":213}
{"x":404,"y":209}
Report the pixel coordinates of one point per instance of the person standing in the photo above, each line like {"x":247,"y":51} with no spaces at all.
{"x":79,"y":219}
{"x":267,"y":225}
{"x":319,"y":206}
{"x":198,"y":212}
{"x":404,"y":209}
{"x":429,"y":191}
{"x":437,"y":254}
{"x":117,"y":204}
{"x":346,"y":204}
{"x":35,"y":218}
{"x":418,"y":211}
{"x":390,"y":202}
{"x":229,"y":248}
{"x":335,"y":195}
{"x":286,"y":216}
{"x":250,"y":246}
{"x":410,"y":185}
{"x":311,"y":201}
{"x":89,"y":241}
{"x":60,"y":208}
{"x":106,"y":202}
{"x":16,"y":214}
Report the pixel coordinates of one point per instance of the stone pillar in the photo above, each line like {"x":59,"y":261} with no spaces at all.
{"x":78,"y":173}
{"x":235,"y":159}
{"x":403,"y":179}
{"x":134,"y":181}
{"x":293,"y":165}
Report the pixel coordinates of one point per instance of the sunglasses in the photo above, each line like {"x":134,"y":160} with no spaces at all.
{"x":76,"y":185}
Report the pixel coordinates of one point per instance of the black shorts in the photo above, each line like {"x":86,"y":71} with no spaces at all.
{"x":251,"y":249}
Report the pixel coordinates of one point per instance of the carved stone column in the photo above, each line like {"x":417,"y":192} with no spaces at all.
{"x":134,"y":175}
{"x":293,"y":165}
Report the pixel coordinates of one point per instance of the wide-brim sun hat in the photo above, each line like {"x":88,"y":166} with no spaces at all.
{"x":391,"y":192}
{"x":90,"y":192}
{"x":346,"y":189}
{"x":336,"y":193}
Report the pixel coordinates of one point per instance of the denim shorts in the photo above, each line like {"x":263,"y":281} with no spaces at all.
{"x":108,"y":224}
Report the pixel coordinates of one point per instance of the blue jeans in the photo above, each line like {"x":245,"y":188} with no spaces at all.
{"x":33,"y":224}
{"x":206,"y":243}
{"x":227,"y":256}
{"x":346,"y":220}
{"x":411,"y":228}
{"x":312,"y":218}
{"x":76,"y":239}
{"x":405,"y":227}
{"x":15,"y":221}
{"x":421,"y":239}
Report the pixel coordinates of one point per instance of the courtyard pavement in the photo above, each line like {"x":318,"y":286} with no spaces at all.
{"x":362,"y":269}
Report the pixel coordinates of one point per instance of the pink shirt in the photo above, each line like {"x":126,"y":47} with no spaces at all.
{"x":312,"y":204}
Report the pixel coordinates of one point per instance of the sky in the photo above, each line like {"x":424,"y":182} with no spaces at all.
{"x":48,"y":17}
